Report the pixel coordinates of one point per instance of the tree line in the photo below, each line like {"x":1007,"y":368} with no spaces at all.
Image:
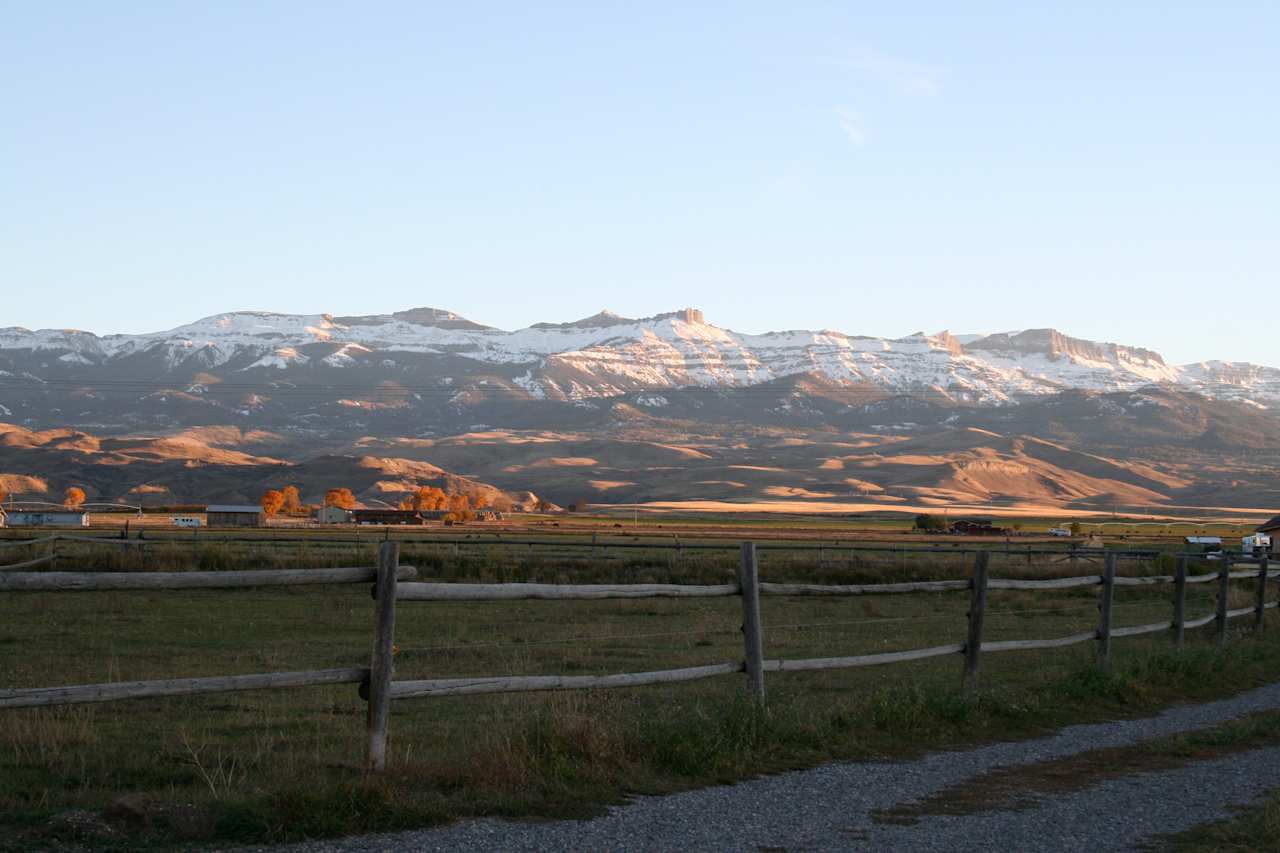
{"x":456,"y":507}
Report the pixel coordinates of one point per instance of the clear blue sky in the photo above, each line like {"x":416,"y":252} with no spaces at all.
{"x":1107,"y":168}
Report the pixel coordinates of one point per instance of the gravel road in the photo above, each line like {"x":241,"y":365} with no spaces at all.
{"x":830,"y":807}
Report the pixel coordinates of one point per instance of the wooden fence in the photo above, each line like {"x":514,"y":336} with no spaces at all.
{"x":394,"y":583}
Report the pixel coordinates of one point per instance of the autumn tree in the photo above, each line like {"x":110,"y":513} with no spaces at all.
{"x":73,"y":497}
{"x":272,"y":501}
{"x":425,"y":498}
{"x":341,"y":498}
{"x":3,"y":494}
{"x":292,"y":500}
{"x":460,"y":508}
{"x":480,"y":502}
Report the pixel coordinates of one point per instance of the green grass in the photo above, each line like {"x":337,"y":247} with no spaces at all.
{"x":277,"y":765}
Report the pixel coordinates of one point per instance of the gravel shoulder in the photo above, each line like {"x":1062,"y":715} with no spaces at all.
{"x":831,"y":807}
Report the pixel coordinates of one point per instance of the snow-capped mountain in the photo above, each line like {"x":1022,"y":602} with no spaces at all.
{"x":606,"y":355}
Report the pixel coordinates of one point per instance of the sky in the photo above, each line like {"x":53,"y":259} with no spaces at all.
{"x":1108,"y":169}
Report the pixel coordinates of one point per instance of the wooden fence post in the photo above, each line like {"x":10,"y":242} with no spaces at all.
{"x":752,"y":636}
{"x":382,"y":662}
{"x":1180,"y":603}
{"x":977,"y":610}
{"x":1224,"y":588}
{"x":1260,"y":612}
{"x":1105,"y":600}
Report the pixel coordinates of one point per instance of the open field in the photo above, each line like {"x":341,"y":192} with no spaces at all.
{"x":233,"y":766}
{"x":624,"y":526}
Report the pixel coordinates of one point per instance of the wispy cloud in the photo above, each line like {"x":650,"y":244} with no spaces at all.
{"x":851,"y":124}
{"x":914,"y":78}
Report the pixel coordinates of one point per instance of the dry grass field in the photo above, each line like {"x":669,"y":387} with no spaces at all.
{"x":273,"y":765}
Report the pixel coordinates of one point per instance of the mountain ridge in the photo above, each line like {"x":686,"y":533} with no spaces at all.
{"x":607,"y":355}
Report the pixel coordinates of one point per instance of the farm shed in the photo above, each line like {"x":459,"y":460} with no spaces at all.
{"x":47,"y":518}
{"x":389,"y":516}
{"x":1206,"y":544}
{"x":333,"y":515}
{"x":235,"y":515}
{"x":977,"y":527}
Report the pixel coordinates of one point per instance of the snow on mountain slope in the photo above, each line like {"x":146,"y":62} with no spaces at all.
{"x":605,"y":355}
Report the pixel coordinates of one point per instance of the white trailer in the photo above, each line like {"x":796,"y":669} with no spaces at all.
{"x":1259,"y":544}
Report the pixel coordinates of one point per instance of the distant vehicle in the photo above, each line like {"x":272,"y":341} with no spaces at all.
{"x":1059,"y":531}
{"x":1258,"y":544}
{"x":186,"y":521}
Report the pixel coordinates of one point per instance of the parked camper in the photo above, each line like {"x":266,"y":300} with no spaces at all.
{"x":186,"y":521}
{"x":1259,"y":545}
{"x":1059,"y":531}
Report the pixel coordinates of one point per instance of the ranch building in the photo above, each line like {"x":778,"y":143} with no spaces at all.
{"x":47,"y":518}
{"x":389,"y":516}
{"x":333,"y":515}
{"x":235,"y":515}
{"x":977,"y":527}
{"x":1203,"y":544}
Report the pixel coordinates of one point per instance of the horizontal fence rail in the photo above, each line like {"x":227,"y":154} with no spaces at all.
{"x":521,"y":683}
{"x":29,"y":564}
{"x":1055,"y":643}
{"x":41,"y":696}
{"x":1138,"y":630}
{"x":861,"y":589}
{"x":1053,"y":583}
{"x":1151,"y":580}
{"x":85,"y":581}
{"x":861,"y":660}
{"x":558,"y":592}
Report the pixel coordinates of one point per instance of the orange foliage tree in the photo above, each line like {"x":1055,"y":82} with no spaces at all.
{"x":460,"y":508}
{"x":73,"y":497}
{"x":3,"y":494}
{"x":341,"y":498}
{"x":425,"y":498}
{"x":292,"y":500}
{"x":272,"y":501}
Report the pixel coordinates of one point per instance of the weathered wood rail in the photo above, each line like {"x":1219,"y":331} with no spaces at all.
{"x":87,"y":581}
{"x":29,"y":564}
{"x":393,"y":583}
{"x":41,"y":696}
